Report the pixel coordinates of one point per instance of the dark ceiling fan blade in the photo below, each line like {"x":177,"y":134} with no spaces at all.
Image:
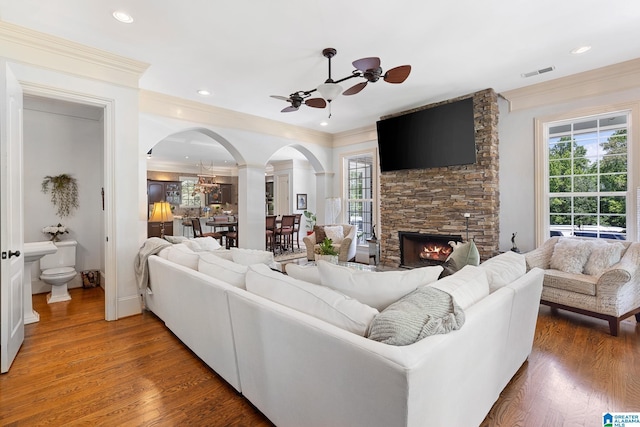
{"x":316,"y":102}
{"x":284,"y":98}
{"x":365,"y":64}
{"x":397,"y":74}
{"x":289,"y":109}
{"x":355,"y":89}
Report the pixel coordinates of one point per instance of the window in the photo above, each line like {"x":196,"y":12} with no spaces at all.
{"x":359,"y":193}
{"x":587,"y":183}
{"x":190,"y":199}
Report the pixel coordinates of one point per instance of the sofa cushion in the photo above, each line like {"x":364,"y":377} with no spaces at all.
{"x":223,"y":253}
{"x":376,"y":289}
{"x":225,"y":270}
{"x":181,"y":254}
{"x":424,"y":312}
{"x":335,"y":233}
{"x":466,"y":286}
{"x":317,"y":301}
{"x":603,"y":255}
{"x":307,"y":273}
{"x":570,"y":255}
{"x":504,"y":269}
{"x":578,"y":283}
{"x":464,"y":254}
{"x":251,"y":256}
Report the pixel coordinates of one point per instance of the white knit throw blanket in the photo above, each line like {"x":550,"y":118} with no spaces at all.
{"x":151,"y":246}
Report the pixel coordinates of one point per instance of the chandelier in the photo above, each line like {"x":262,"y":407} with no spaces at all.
{"x":206,"y":181}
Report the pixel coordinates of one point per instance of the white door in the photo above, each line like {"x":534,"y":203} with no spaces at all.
{"x":11,"y":230}
{"x":283,"y":207}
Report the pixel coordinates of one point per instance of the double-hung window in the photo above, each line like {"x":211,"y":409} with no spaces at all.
{"x":190,"y":198}
{"x":588,"y":171}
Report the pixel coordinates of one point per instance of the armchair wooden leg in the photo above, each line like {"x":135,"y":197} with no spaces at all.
{"x":614,"y":325}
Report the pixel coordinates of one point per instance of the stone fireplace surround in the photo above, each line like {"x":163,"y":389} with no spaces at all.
{"x":434,"y":201}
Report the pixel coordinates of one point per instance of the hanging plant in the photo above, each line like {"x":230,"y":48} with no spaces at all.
{"x":64,"y":193}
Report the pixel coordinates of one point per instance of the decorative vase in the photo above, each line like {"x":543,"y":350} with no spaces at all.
{"x":329,"y":258}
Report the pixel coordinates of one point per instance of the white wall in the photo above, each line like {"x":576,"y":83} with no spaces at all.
{"x":55,"y":144}
{"x":517,"y":166}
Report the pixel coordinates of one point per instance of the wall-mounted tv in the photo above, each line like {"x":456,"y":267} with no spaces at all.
{"x":429,"y":138}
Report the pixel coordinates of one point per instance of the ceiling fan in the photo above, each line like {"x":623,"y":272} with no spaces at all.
{"x":367,"y":68}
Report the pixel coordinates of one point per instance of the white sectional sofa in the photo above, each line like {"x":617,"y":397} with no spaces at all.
{"x":300,"y":370}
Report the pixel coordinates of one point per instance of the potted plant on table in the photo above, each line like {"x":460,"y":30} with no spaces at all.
{"x":325,"y":251}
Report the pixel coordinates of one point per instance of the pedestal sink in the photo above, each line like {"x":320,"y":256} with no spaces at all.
{"x":33,"y":251}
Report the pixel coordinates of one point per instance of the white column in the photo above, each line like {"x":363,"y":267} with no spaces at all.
{"x":251,"y":200}
{"x":324,"y":184}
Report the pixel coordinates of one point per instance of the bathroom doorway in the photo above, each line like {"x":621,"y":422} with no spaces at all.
{"x":67,"y":134}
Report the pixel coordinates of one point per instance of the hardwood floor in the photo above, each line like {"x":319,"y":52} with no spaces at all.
{"x":74,"y":368}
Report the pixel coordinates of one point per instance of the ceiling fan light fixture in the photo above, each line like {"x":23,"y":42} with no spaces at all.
{"x":329,"y":91}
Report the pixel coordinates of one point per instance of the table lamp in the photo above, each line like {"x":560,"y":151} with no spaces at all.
{"x":161,"y":213}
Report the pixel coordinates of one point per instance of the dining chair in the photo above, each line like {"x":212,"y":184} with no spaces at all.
{"x":197,"y":231}
{"x":296,"y":229}
{"x":270,"y":232}
{"x":285,"y":232}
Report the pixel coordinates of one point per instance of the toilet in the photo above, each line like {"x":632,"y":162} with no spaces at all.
{"x":58,"y":269}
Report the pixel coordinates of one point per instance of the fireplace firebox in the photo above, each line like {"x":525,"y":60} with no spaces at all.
{"x":422,"y":249}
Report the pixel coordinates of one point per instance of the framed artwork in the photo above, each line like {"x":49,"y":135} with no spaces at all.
{"x":301,"y":202}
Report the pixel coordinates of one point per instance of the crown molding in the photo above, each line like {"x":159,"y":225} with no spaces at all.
{"x":183,"y":109}
{"x":44,"y":50}
{"x":355,"y":136}
{"x":601,"y":81}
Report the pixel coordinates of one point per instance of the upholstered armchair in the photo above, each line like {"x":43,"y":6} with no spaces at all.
{"x":346,"y":248}
{"x":592,"y":277}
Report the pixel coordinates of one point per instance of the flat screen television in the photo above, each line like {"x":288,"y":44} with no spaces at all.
{"x":429,"y":138}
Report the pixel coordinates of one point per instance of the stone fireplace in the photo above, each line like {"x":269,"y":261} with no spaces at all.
{"x":434,"y":201}
{"x":423,"y":249}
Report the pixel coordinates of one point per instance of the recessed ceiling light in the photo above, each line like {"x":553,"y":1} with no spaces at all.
{"x":123,"y":17}
{"x":581,"y":49}
{"x":204,"y":92}
{"x":324,"y":123}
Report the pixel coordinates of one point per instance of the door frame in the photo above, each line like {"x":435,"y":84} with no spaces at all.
{"x":110,"y":286}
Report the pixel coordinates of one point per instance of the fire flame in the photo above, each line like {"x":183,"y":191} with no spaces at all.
{"x":435,"y":251}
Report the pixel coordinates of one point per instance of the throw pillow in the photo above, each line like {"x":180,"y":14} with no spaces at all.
{"x":570,"y":255}
{"x":376,"y":289}
{"x":207,"y":243}
{"x":307,"y":273}
{"x":467,"y":286}
{"x":180,"y":254}
{"x":335,"y":233}
{"x":603,"y":255}
{"x":251,"y":256}
{"x":320,"y":235}
{"x":464,"y":254}
{"x":424,"y":312}
{"x":317,"y":301}
{"x":504,"y":269}
{"x":222,"y":269}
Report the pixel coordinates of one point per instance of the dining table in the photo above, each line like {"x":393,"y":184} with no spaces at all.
{"x":223,"y":227}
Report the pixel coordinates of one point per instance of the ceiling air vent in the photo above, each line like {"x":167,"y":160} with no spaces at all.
{"x":536,"y":72}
